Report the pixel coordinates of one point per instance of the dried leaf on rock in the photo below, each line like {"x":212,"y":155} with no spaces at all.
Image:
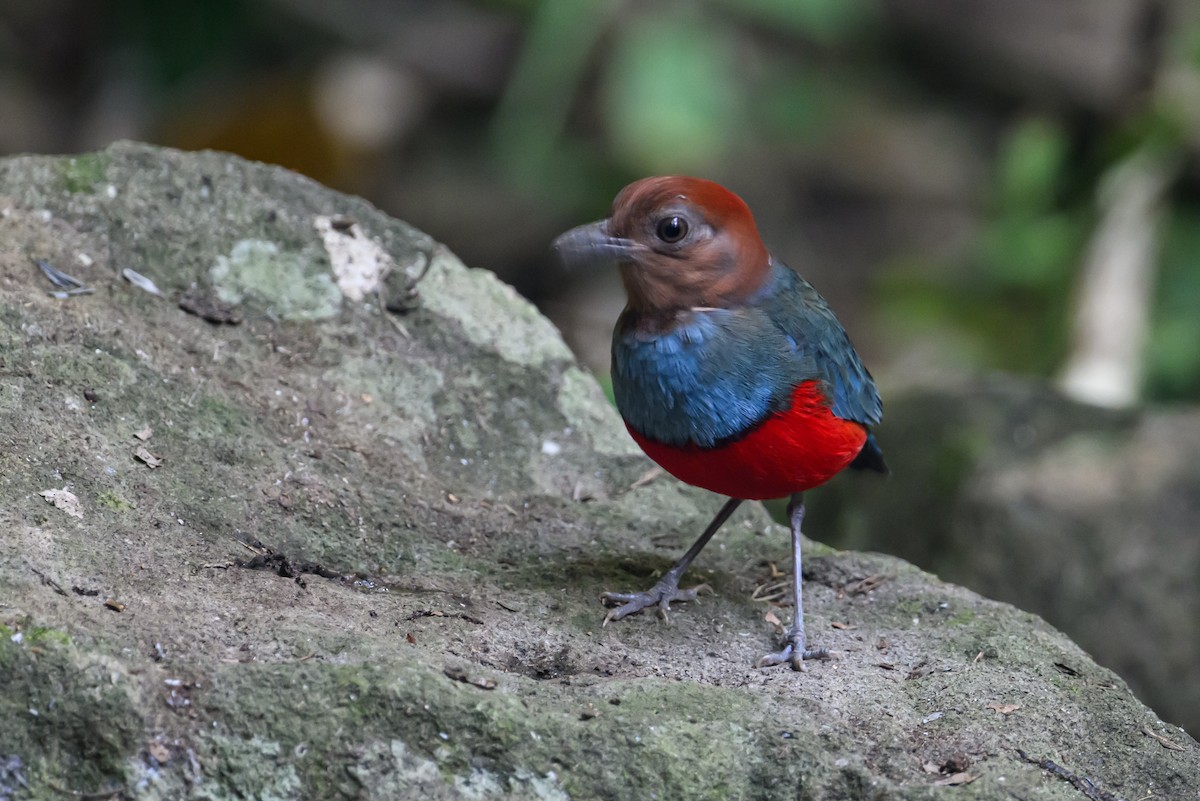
{"x":143,"y":455}
{"x":956,"y":780}
{"x":64,"y":499}
{"x":140,"y":281}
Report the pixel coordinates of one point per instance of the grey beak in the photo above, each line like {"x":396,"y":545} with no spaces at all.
{"x":591,"y":245}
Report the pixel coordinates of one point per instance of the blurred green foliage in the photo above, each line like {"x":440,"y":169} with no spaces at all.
{"x":589,"y":94}
{"x":1173,"y":368}
{"x":672,"y":92}
{"x":179,"y":40}
{"x":680,"y":88}
{"x":826,"y":22}
{"x":1012,"y":310}
{"x":677,"y":86}
{"x":1009,"y":309}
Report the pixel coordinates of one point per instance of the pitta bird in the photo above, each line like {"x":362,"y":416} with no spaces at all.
{"x":729,"y":369}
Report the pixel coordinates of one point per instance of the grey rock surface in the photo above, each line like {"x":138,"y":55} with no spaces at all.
{"x":439,"y":497}
{"x":1086,"y":516}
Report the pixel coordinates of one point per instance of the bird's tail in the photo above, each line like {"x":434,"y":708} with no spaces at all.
{"x":870,"y":457}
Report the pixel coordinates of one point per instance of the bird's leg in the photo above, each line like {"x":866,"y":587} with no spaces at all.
{"x":667,"y":588}
{"x":796,"y":650}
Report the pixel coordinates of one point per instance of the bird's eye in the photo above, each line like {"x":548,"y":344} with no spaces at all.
{"x":671,"y":229}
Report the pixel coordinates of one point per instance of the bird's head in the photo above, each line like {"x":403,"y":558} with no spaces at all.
{"x":680,"y":243}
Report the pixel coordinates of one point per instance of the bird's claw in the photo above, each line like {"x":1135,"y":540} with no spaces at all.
{"x":794,"y":653}
{"x":660,"y":595}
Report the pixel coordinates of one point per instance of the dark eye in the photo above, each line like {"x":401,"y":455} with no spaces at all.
{"x":671,"y":229}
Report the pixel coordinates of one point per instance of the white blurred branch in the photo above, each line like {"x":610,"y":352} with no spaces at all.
{"x":1116,"y":284}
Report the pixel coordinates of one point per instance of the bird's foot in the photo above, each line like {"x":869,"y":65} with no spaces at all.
{"x":794,"y":653}
{"x":660,"y":595}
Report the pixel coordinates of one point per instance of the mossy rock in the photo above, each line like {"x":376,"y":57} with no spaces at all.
{"x":440,"y":497}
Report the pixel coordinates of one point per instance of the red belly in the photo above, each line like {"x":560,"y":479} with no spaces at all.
{"x":791,"y":451}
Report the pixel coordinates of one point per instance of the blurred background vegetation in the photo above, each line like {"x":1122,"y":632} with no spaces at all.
{"x":937,"y":168}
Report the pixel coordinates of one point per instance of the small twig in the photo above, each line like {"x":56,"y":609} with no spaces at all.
{"x":399,"y":326}
{"x":1080,"y":783}
{"x":46,"y":580}
{"x":865,"y":585}
{"x":438,"y":613}
{"x":78,"y":794}
{"x":647,"y":477}
{"x":771,"y":592}
{"x":429,"y":254}
{"x":460,"y":674}
{"x":63,"y":294}
{"x":1166,"y":743}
